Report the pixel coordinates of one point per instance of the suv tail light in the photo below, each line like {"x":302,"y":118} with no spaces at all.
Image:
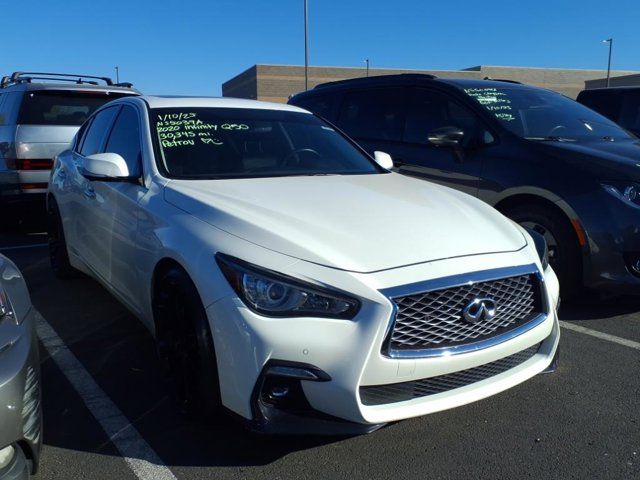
{"x":30,"y":164}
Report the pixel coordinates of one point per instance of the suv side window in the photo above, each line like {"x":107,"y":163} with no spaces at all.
{"x":376,"y":114}
{"x":430,"y":109}
{"x":3,"y":116}
{"x":629,"y":116}
{"x":322,"y":105}
{"x":125,"y":140}
{"x":604,"y":102}
{"x":97,"y":132}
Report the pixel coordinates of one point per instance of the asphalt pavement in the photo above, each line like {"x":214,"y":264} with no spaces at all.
{"x":107,"y":415}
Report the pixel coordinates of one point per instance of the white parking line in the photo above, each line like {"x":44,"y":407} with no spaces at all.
{"x":600,"y":335}
{"x":140,"y":457}
{"x":21,"y":247}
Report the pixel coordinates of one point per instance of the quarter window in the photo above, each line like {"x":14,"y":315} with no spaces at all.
{"x":373,"y":114}
{"x":125,"y":140}
{"x":97,"y":132}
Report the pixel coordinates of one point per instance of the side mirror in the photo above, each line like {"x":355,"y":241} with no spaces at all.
{"x":105,"y":167}
{"x":383,"y":159}
{"x":446,"y":137}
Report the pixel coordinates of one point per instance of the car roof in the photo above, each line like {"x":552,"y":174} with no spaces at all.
{"x":215,"y":102}
{"x":30,"y":87}
{"x":404,"y":79}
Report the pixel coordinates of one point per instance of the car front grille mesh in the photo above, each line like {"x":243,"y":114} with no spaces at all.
{"x":435,"y":319}
{"x":399,"y":392}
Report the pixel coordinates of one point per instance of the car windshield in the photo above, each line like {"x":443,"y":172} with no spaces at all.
{"x":537,"y":114}
{"x":206,"y":143}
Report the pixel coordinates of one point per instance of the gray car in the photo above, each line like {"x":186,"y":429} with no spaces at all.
{"x":20,"y":410}
{"x":39,"y":115}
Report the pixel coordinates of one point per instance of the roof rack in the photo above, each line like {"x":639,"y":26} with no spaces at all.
{"x":28,"y":77}
{"x":502,"y":80}
{"x":375,"y":78}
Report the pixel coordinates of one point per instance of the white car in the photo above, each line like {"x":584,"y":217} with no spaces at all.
{"x":288,"y":276}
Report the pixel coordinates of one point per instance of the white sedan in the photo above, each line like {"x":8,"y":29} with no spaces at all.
{"x":288,"y":276}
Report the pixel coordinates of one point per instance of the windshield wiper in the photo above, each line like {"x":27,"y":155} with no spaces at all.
{"x":551,"y":138}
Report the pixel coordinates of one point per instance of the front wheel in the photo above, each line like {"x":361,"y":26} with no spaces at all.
{"x":564,"y":251}
{"x":185,"y":345}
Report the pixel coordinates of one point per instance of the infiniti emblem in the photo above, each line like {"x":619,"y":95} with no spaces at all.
{"x":479,"y":309}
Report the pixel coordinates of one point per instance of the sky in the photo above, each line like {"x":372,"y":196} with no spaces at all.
{"x":190,"y":47}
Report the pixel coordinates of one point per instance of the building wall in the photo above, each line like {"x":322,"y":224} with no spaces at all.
{"x":623,"y":81}
{"x":566,"y":81}
{"x":275,"y":83}
{"x":244,"y":85}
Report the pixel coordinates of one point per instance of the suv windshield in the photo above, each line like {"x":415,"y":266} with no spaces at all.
{"x":537,"y":114}
{"x":206,"y":143}
{"x":62,"y":107}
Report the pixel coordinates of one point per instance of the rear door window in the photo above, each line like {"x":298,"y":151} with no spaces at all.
{"x":58,"y":107}
{"x":376,"y":114}
{"x":97,"y":132}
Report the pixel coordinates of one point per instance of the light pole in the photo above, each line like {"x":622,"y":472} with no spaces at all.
{"x":306,"y":46}
{"x":610,"y":42}
{"x":117,"y":74}
{"x":366,"y":60}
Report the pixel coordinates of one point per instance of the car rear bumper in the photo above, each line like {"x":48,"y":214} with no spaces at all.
{"x":21,"y":421}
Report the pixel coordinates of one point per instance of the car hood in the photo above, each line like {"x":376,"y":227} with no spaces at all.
{"x":360,"y":223}
{"x":620,"y":158}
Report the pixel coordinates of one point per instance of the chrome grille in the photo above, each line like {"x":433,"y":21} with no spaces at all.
{"x":399,"y":392}
{"x":434,"y":319}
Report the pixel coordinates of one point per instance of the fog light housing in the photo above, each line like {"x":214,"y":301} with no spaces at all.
{"x":281,"y":387}
{"x":6,"y":455}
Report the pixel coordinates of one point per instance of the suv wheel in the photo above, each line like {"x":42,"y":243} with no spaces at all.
{"x":185,"y":345}
{"x":564,"y":252}
{"x":58,"y":254}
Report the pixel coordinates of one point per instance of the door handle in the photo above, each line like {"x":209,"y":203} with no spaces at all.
{"x":89,"y":192}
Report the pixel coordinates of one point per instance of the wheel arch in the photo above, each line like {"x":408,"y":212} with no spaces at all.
{"x":539,"y":196}
{"x":162,"y":266}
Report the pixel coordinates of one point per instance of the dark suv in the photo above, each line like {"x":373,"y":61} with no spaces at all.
{"x":542,"y":159}
{"x":620,"y":104}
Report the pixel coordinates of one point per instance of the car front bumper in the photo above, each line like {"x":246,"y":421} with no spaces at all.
{"x":350,"y":354}
{"x":613,"y":234}
{"x":20,"y":396}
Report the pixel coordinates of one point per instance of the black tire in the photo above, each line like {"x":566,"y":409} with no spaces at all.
{"x":185,"y":345}
{"x":564,"y":257}
{"x":58,"y":254}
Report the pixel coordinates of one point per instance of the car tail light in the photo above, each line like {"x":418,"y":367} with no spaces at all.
{"x":33,"y":186}
{"x":34,"y":164}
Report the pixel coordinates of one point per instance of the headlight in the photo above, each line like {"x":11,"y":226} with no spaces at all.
{"x":273,"y":294}
{"x":541,"y":247}
{"x":628,"y":192}
{"x":6,"y":309}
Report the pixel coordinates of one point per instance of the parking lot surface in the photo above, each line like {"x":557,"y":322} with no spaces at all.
{"x":107,"y":414}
